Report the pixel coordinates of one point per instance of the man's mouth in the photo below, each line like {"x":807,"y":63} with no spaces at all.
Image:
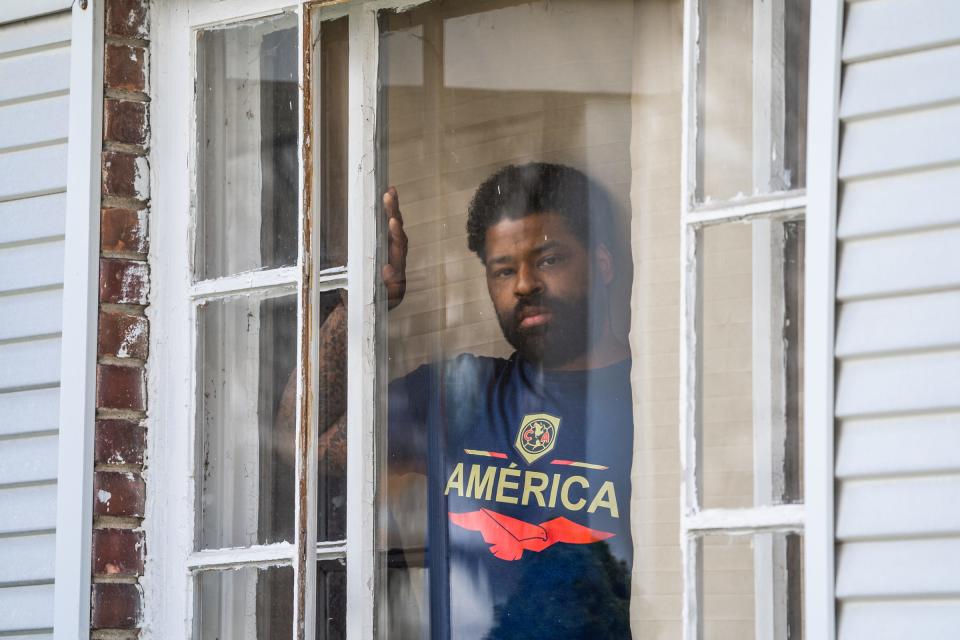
{"x":532,"y":317}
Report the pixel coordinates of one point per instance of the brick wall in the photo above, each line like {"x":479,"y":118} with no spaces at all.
{"x":122,"y":341}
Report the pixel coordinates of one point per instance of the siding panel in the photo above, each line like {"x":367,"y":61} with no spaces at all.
{"x":899,"y":568}
{"x":28,"y":460}
{"x":904,"y":620}
{"x":31,"y":314}
{"x":917,"y":382}
{"x":901,"y":142}
{"x":900,"y":203}
{"x":38,"y":122}
{"x":29,"y":364}
{"x":34,"y":119}
{"x":29,"y":411}
{"x":899,"y":445}
{"x":32,"y":218}
{"x":883,"y":27}
{"x":35,"y":265}
{"x":26,"y":608}
{"x":898,"y":507}
{"x":899,"y":264}
{"x":27,"y":558}
{"x":33,"y":171}
{"x":925,"y":321}
{"x":33,"y":74}
{"x":28,"y":509}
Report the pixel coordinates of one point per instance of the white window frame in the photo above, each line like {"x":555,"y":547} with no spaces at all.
{"x":766,"y":213}
{"x":172,"y":379}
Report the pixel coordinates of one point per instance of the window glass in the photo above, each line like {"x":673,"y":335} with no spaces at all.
{"x":247,"y":347}
{"x":751,"y":97}
{"x":508,"y":169}
{"x":247,"y":105}
{"x":751,"y":348}
{"x":254,"y":603}
{"x":752,"y":586}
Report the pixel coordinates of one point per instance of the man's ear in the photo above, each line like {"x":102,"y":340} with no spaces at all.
{"x":604,"y":260}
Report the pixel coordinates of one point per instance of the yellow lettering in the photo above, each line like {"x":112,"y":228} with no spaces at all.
{"x":553,"y":490}
{"x":456,"y":480}
{"x":507,"y":484}
{"x":606,"y":497}
{"x":542,"y":481}
{"x":565,"y":493}
{"x":477,"y":485}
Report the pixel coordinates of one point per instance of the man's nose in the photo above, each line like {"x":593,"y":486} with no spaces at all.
{"x":527,"y":282}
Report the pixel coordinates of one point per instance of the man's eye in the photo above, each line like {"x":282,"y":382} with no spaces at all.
{"x":550,"y":261}
{"x":503,"y":273}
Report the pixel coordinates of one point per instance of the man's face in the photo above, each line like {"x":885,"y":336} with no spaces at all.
{"x":545,"y":286}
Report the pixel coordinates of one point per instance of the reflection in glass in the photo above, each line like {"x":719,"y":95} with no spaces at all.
{"x":507,"y":135}
{"x":331,"y":69}
{"x":751,"y":112}
{"x":247,"y":105}
{"x":752,"y":586}
{"x":332,"y":416}
{"x":247,"y":347}
{"x":251,"y":603}
{"x":751,"y":325}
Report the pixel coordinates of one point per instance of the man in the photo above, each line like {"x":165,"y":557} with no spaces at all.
{"x":527,"y":459}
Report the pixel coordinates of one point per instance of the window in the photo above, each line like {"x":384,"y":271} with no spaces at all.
{"x":742,"y":244}
{"x":306,"y":492}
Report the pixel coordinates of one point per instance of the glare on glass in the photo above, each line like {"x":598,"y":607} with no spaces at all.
{"x":251,"y":603}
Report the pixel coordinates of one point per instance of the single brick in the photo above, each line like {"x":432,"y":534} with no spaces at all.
{"x":123,"y":230}
{"x":125,"y":67}
{"x":125,"y":121}
{"x":118,"y":552}
{"x":115,"y":606}
{"x":123,"y":281}
{"x":125,"y":175}
{"x":128,"y":19}
{"x":120,"y":387}
{"x":122,"y":335}
{"x":119,"y":442}
{"x":118,"y":493}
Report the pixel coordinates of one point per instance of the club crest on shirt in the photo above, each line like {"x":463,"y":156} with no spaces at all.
{"x":537,"y":436}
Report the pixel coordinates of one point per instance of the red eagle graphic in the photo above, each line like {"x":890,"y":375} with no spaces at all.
{"x":509,"y":538}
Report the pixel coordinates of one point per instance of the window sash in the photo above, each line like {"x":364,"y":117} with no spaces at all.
{"x":766,"y":212}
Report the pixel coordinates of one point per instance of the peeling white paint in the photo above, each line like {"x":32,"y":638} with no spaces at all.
{"x":136,"y":273}
{"x":130,"y":337}
{"x":104,"y":496}
{"x":141,"y":178}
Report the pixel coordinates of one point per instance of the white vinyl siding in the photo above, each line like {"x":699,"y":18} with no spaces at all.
{"x":34,"y":85}
{"x":898,"y":323}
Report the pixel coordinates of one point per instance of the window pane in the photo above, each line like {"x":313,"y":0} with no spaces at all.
{"x":752,"y":586}
{"x":247,"y":103}
{"x":245,"y":603}
{"x":248,"y":353}
{"x":751,"y":111}
{"x":510,"y":409}
{"x":331,"y":600}
{"x":331,"y":75}
{"x":751,"y":349}
{"x":332,"y":417}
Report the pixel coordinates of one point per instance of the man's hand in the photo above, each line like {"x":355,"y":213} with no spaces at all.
{"x":395,"y":271}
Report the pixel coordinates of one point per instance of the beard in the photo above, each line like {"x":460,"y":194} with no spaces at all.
{"x":568,"y":334}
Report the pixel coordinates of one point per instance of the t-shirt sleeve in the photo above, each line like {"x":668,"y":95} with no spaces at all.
{"x":408,"y":409}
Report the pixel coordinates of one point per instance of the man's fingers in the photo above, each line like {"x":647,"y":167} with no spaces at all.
{"x":391,"y":204}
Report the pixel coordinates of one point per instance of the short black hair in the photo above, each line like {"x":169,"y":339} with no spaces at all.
{"x":516,"y":191}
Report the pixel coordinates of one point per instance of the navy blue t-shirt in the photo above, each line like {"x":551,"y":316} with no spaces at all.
{"x":528,"y":473}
